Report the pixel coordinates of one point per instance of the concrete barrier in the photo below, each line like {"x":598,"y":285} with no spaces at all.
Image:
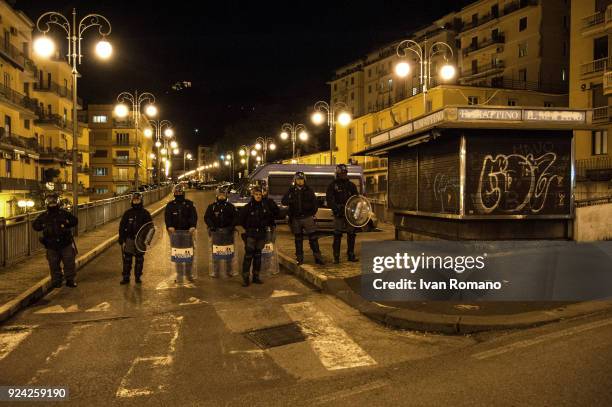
{"x":593,"y":223}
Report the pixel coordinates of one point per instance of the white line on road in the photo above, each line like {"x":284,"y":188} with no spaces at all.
{"x":530,"y":342}
{"x":148,"y":373}
{"x":10,"y":340}
{"x":282,"y":293}
{"x":58,"y":309}
{"x":349,"y":392}
{"x":333,"y":346}
{"x":104,"y":306}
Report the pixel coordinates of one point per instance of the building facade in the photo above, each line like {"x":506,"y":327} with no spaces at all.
{"x":591,"y":87}
{"x":114,"y":161}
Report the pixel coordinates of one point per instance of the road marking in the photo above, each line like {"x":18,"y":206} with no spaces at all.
{"x":170,"y":284}
{"x":335,"y":349}
{"x":104,"y":306}
{"x":349,"y":392}
{"x":534,"y":341}
{"x":282,"y":293}
{"x":148,"y":373}
{"x":193,"y":301}
{"x":10,"y":340}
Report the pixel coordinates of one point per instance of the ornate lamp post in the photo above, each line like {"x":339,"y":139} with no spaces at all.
{"x":294,"y":131}
{"x":228,"y":158}
{"x":424,"y":55}
{"x":262,"y":143}
{"x":338,"y":112}
{"x":165,"y":127}
{"x":45,"y":47}
{"x":136,"y":101}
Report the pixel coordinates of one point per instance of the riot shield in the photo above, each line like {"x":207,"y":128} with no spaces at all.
{"x":223,"y":256}
{"x":357,"y":211}
{"x":269,"y":255}
{"x":182,"y":254}
{"x":146,"y":237}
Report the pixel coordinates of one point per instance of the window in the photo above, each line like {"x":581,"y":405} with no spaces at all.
{"x":99,"y":119}
{"x":122,"y":139}
{"x":522,"y":49}
{"x":26,"y":123}
{"x":100,"y":171}
{"x":599,"y":142}
{"x":600,"y":47}
{"x":474,"y":20}
{"x":101,"y":190}
{"x":122,"y":174}
{"x":369,"y":88}
{"x":122,"y":189}
{"x":351,"y":134}
{"x":8,"y":127}
{"x":512,"y":102}
{"x":370,"y":73}
{"x":8,"y":167}
{"x":474,"y":43}
{"x":7,"y":80}
{"x":523,"y":24}
{"x":352,"y":80}
{"x":100,"y":153}
{"x":352,"y":95}
{"x":365,"y":129}
{"x":522,"y":74}
{"x":495,"y":10}
{"x":474,"y":66}
{"x":472,"y":100}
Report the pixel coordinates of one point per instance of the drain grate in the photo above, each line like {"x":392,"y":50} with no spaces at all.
{"x":276,"y":336}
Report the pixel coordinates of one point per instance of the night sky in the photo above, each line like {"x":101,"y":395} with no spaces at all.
{"x":252,"y":65}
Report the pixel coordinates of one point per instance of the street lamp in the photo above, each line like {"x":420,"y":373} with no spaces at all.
{"x":294,"y":131}
{"x":45,"y":47}
{"x":137,"y":100}
{"x":424,"y":55}
{"x":264,"y":144}
{"x":165,"y":127}
{"x":228,"y":158}
{"x":186,"y":156}
{"x":338,"y":112}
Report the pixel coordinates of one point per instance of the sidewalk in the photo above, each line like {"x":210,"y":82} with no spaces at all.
{"x":25,"y":282}
{"x":343,"y":281}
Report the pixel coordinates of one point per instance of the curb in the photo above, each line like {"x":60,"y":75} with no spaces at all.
{"x":441,"y":323}
{"x":41,"y":288}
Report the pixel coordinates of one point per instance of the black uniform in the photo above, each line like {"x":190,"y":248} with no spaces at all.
{"x":302,"y":203}
{"x":132,"y":220}
{"x":220,"y":214}
{"x":55,"y":225}
{"x":338,"y":192}
{"x":257,"y":219}
{"x":181,"y":214}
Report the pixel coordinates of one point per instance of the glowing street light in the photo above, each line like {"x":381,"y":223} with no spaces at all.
{"x":44,"y":46}
{"x":104,"y":49}
{"x":175,"y":151}
{"x":173,"y":144}
{"x":148,"y":133}
{"x":292,"y":129}
{"x":121,"y":110}
{"x":338,"y":112}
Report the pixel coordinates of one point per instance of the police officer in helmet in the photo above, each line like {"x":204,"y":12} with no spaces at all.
{"x":338,"y":193}
{"x":221,"y":213}
{"x":181,"y":214}
{"x":131,"y":223}
{"x":302,"y":203}
{"x":56,"y":224}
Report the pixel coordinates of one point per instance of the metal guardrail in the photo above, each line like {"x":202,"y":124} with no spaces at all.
{"x":19,"y":240}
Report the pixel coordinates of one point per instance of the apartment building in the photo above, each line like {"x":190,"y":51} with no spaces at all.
{"x":591,"y":87}
{"x":114,"y":161}
{"x":37,"y":120}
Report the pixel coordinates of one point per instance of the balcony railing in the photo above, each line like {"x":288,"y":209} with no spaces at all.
{"x":61,"y":91}
{"x":124,"y":161}
{"x":123,"y":124}
{"x":11,"y":53}
{"x":12,"y":184}
{"x":597,"y":168}
{"x":602,"y":114}
{"x":483,"y":69}
{"x":517,"y":5}
{"x":536,"y":86}
{"x":508,"y":9}
{"x":607,"y":83}
{"x":48,"y":153}
{"x":121,"y":179}
{"x":54,"y":120}
{"x":593,"y":20}
{"x":16,"y":98}
{"x":598,"y":65}
{"x":496,"y":39}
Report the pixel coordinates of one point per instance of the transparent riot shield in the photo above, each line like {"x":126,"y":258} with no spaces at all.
{"x":182,"y":254}
{"x":223,"y":249}
{"x":269,"y":255}
{"x":358,"y":211}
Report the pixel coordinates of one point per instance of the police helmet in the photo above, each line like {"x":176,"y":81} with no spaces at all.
{"x":52,"y":201}
{"x":136,"y":195}
{"x":341,"y":169}
{"x":299,"y":175}
{"x":179,"y":190}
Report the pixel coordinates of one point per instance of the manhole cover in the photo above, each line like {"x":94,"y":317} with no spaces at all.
{"x":276,"y":335}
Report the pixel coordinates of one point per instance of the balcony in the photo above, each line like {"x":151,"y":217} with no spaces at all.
{"x":124,"y":161}
{"x":61,"y":91}
{"x":17,"y":99}
{"x":11,"y":53}
{"x":53,"y":120}
{"x":508,"y":9}
{"x":598,"y":168}
{"x":83,"y":169}
{"x":496,"y":39}
{"x":598,"y":65}
{"x":122,"y":179}
{"x":607,"y":83}
{"x":481,"y":71}
{"x":16,"y":184}
{"x":123,"y":124}
{"x":53,"y":155}
{"x":12,"y":141}
{"x":602,"y":115}
{"x":518,"y":5}
{"x":597,"y":23}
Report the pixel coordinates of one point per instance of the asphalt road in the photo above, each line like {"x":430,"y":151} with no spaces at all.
{"x":168,"y":345}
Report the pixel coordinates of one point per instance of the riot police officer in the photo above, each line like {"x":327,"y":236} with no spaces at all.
{"x":181,"y":214}
{"x":56,"y":224}
{"x":257,"y":219}
{"x":131,"y":222}
{"x":302,"y":203}
{"x":221,"y":213}
{"x":338,"y":192}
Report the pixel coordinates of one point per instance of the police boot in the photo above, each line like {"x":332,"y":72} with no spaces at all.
{"x":256,"y":269}
{"x":299,"y":250}
{"x":350,"y":240}
{"x":246,"y":268}
{"x":316,"y":251}
{"x":336,"y":247}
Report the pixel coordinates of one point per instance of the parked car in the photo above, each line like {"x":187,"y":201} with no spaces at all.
{"x":278,"y":178}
